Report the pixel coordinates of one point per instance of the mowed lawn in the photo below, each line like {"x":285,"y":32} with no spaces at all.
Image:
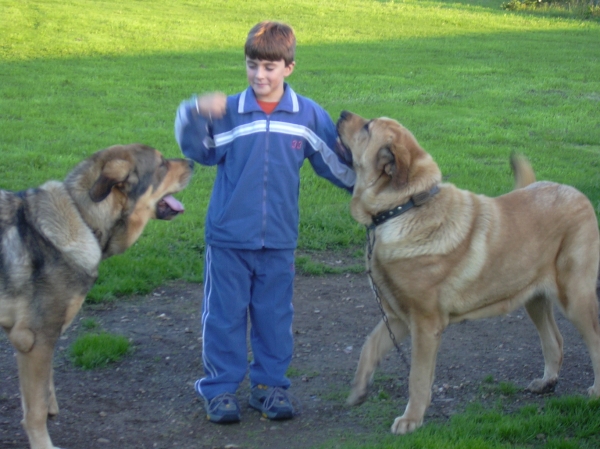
{"x":472,"y":81}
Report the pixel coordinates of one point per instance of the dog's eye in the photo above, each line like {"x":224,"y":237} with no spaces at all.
{"x":366,"y":127}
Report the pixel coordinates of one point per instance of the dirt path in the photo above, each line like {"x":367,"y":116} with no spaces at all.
{"x":148,"y":401}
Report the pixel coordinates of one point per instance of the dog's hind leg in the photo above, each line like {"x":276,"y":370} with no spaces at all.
{"x":541,"y":313}
{"x":577,"y":272}
{"x":583,"y":313}
{"x":35,"y":368}
{"x":377,"y":345}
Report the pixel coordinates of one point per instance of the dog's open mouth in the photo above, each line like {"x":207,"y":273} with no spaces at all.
{"x":168,"y":207}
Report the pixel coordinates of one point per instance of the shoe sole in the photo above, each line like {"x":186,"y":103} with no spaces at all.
{"x":225,"y":419}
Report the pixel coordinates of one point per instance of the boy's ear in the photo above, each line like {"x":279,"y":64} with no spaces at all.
{"x":289,"y":69}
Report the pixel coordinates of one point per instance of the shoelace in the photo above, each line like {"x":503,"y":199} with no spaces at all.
{"x":225,"y":400}
{"x":277,"y":395}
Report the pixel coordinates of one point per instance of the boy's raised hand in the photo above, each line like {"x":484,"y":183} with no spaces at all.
{"x":212,"y":106}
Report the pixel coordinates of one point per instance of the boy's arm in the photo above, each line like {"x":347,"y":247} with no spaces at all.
{"x":322,"y":156}
{"x":194,"y":133}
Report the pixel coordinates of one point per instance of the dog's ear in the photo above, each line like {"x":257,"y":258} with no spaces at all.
{"x":385,"y":161}
{"x":114,"y":172}
{"x":392,"y":163}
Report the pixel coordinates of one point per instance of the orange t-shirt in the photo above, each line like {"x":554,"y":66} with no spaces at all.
{"x":267,"y":106}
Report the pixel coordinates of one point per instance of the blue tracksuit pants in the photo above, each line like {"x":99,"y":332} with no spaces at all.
{"x":238,"y":283}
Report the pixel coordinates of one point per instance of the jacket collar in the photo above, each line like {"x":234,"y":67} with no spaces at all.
{"x":289,"y":102}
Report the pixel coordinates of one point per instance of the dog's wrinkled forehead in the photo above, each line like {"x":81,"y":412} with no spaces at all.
{"x":356,"y":129}
{"x":362,"y":135}
{"x":384,"y":128}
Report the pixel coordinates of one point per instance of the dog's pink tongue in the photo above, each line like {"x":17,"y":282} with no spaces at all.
{"x":173,"y":204}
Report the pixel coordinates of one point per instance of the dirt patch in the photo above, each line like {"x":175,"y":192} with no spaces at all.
{"x":148,"y":400}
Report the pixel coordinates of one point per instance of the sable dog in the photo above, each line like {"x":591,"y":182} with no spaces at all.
{"x":442,"y":255}
{"x":52,"y":239}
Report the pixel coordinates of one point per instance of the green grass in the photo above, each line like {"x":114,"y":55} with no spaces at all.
{"x":488,"y":379}
{"x":565,"y":423}
{"x":89,"y":324}
{"x":471,"y":80}
{"x":503,"y":388}
{"x":306,"y":265}
{"x":96,"y":350}
{"x":508,"y":388}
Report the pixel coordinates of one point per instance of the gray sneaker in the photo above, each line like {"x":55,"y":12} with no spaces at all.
{"x":223,"y":409}
{"x":273,"y":402}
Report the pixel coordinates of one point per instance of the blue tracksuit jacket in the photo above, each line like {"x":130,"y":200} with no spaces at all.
{"x":254,"y":202}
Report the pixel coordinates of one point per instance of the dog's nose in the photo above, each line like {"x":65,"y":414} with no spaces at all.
{"x":344,"y":115}
{"x":190,"y":163}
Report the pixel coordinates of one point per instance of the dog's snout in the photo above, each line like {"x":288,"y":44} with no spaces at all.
{"x":344,"y":115}
{"x":190,"y":164}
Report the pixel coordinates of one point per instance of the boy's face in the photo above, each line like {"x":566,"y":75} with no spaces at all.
{"x":266,"y":77}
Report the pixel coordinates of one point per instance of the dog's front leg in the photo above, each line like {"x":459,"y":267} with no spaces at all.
{"x":52,"y":402}
{"x":426,"y":336}
{"x":378,"y":344}
{"x":35,"y":368}
{"x":541,"y":312}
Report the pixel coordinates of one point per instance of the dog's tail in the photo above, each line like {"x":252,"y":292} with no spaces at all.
{"x":524,"y":174}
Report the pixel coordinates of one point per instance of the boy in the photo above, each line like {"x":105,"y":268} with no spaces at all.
{"x":258,"y":139}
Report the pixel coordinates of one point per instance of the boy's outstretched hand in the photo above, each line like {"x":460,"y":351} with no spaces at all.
{"x":211,"y":106}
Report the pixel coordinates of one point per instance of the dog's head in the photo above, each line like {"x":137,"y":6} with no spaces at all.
{"x":390,"y":164}
{"x":119,"y":189}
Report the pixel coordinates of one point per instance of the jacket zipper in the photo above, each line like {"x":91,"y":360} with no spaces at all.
{"x":265,"y":176}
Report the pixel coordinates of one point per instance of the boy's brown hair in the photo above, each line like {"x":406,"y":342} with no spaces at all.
{"x":271,"y":41}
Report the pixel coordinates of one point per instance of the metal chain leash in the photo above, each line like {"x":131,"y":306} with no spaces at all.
{"x":370,"y":246}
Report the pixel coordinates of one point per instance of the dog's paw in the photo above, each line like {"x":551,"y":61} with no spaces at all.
{"x":594,"y":391}
{"x":356,"y":397}
{"x":542,"y":386}
{"x":404,"y":425}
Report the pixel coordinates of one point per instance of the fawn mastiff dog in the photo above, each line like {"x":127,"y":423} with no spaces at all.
{"x":442,"y":255}
{"x":52,"y":239}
